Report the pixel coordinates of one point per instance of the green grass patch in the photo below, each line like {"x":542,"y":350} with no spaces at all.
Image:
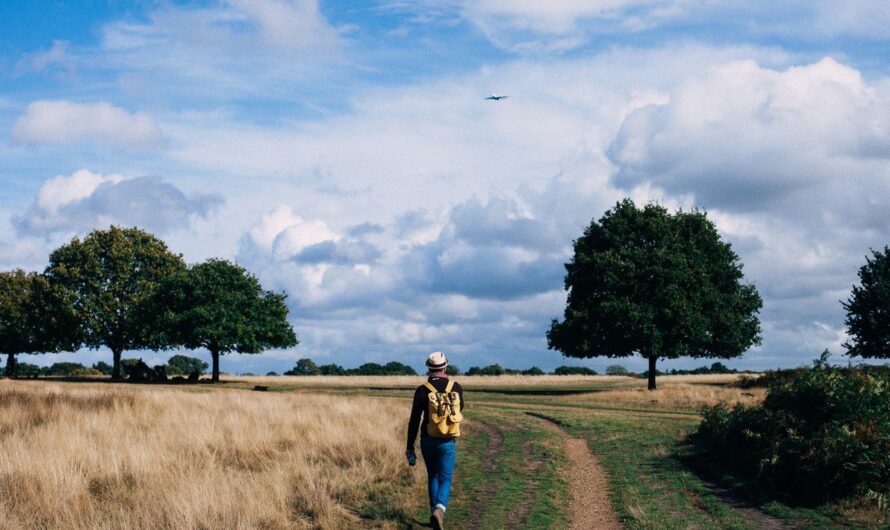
{"x":522,"y":482}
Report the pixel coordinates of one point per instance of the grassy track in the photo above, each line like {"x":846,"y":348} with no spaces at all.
{"x":520,"y":488}
{"x":510,"y":469}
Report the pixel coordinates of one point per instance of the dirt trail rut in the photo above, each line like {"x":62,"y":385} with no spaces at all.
{"x":588,"y":485}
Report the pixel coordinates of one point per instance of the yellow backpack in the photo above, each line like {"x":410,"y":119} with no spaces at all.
{"x":443,"y":415}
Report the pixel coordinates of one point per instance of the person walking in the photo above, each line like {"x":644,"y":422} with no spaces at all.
{"x":437,"y":406}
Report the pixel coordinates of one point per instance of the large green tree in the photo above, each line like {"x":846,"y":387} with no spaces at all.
{"x":33,"y":317}
{"x":868,"y":309}
{"x":112,"y":276}
{"x":219,"y":306}
{"x":661,"y":285}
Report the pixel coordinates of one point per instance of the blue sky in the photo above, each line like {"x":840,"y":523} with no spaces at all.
{"x":344,"y":153}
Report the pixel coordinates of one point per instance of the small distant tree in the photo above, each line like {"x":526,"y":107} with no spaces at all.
{"x":397,"y":368}
{"x":220,"y":306}
{"x":367,"y":369}
{"x":868,"y":309}
{"x":304,"y":367}
{"x":331,"y":369}
{"x":272,"y":374}
{"x":574,"y":370}
{"x":452,"y":369}
{"x":29,"y":370}
{"x":616,"y":369}
{"x":661,"y":285}
{"x":492,"y":369}
{"x":33,"y":317}
{"x":64,"y":368}
{"x":111,"y":277}
{"x":103,"y":367}
{"x":182,"y":364}
{"x":534,"y":370}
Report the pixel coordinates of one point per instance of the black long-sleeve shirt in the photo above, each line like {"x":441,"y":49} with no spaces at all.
{"x":420,"y":405}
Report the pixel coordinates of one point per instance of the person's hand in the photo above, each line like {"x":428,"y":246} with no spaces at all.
{"x":411,"y":456}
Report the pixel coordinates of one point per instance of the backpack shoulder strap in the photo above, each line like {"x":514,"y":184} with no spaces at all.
{"x":430,"y":387}
{"x":450,"y":386}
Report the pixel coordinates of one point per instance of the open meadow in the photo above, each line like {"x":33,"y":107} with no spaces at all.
{"x":328,"y":452}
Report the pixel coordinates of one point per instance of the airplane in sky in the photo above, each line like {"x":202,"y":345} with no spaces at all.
{"x":495,"y":97}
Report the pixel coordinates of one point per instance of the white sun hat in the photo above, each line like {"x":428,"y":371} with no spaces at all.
{"x":436,"y":361}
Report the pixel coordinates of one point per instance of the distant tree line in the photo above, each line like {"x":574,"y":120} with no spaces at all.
{"x":309,"y":367}
{"x":178,"y":365}
{"x":122,"y":289}
{"x":715,"y":368}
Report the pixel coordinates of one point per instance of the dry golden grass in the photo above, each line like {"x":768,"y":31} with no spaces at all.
{"x":104,"y":456}
{"x":675,"y":392}
{"x":411,"y":381}
{"x":672,"y":395}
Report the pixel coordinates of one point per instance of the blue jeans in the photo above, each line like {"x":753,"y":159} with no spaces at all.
{"x":438,"y":456}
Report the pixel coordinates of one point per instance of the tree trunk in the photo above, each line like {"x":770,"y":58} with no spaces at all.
{"x":116,"y":370}
{"x":215,"y":355}
{"x":652,"y":372}
{"x":11,"y":366}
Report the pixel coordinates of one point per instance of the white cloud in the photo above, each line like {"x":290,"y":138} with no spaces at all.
{"x":41,"y":61}
{"x":745,"y":137}
{"x":530,"y":26}
{"x":66,"y":122}
{"x":223,"y":50}
{"x":65,"y":189}
{"x":84,"y":200}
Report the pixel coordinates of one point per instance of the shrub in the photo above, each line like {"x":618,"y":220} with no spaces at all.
{"x":182,"y":365}
{"x":452,"y":369}
{"x":574,"y":370}
{"x":103,"y":367}
{"x":85,"y":372}
{"x":616,"y":369}
{"x":821,"y":433}
{"x":127,"y":365}
{"x":63,"y":368}
{"x":534,"y":370}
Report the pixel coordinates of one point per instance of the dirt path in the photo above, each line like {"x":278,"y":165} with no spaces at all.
{"x":588,"y":485}
{"x":489,"y":459}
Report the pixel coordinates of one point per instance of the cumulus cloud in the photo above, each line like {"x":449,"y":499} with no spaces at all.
{"x":793,"y":166}
{"x":66,"y":122}
{"x":494,"y":249}
{"x":745,"y":137}
{"x":85,"y":200}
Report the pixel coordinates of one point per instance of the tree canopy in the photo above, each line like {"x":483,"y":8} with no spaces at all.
{"x":868,"y":309}
{"x":645,"y":281}
{"x":220,"y":306}
{"x":111,"y":276}
{"x":31,"y":316}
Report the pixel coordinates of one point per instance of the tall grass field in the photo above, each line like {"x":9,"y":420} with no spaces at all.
{"x":132,"y":457}
{"x":328,"y":453}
